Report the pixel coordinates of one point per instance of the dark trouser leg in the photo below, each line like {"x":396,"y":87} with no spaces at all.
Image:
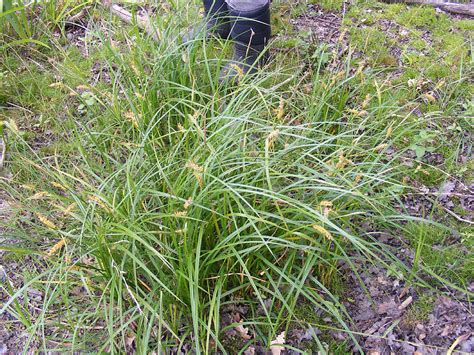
{"x":216,"y":13}
{"x":216,"y":23}
{"x":250,"y":31}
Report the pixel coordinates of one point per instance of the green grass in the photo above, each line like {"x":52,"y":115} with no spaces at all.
{"x":177,"y":197}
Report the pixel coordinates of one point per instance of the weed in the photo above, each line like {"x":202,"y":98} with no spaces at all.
{"x":168,"y":197}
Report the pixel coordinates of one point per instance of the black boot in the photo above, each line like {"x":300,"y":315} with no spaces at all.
{"x":216,"y":23}
{"x":250,"y":31}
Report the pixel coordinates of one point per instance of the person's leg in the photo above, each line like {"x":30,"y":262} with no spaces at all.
{"x":247,"y":5}
{"x":216,"y":23}
{"x":250,"y":31}
{"x":216,"y":12}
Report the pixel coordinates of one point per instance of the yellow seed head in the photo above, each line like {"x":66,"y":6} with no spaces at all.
{"x":193,"y":166}
{"x":180,"y":214}
{"x":188,"y":203}
{"x":99,"y":202}
{"x":327,"y":207}
{"x":381,"y":147}
{"x":325,"y":203}
{"x":343,"y":162}
{"x":281,"y":109}
{"x":132,"y":118}
{"x":58,"y":185}
{"x":56,"y":247}
{"x":39,"y":195}
{"x":271,"y":138}
{"x":366,"y":101}
{"x":46,"y":221}
{"x":323,"y":231}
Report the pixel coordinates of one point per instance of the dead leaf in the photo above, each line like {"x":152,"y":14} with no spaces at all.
{"x":276,"y":346}
{"x":405,"y":303}
{"x":243,"y":332}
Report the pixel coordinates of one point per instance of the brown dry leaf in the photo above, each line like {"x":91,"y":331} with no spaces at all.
{"x":276,"y":346}
{"x":56,"y":247}
{"x":243,"y":332}
{"x":46,"y":221}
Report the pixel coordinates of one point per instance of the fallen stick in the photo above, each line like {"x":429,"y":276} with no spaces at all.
{"x":454,"y":7}
{"x":142,"y":22}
